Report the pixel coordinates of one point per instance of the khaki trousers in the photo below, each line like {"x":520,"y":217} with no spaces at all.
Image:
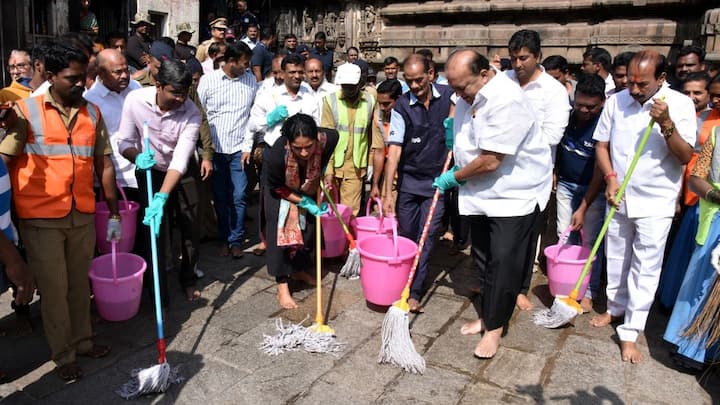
{"x":59,"y":259}
{"x":350,"y":193}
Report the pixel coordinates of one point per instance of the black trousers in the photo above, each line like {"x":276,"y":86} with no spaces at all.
{"x":498,"y":246}
{"x":183,"y":218}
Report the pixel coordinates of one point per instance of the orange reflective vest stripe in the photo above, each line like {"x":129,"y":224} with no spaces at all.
{"x":56,"y":169}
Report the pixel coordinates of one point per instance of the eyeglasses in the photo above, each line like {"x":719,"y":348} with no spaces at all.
{"x":18,"y":66}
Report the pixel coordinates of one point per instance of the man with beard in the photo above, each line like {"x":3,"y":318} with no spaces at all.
{"x":638,"y":231}
{"x":54,"y":151}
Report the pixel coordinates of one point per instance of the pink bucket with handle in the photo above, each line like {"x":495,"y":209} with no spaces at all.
{"x":128,"y":217}
{"x":371,"y":225}
{"x":386,"y":263}
{"x":564,"y":265}
{"x":117,"y":280}
{"x":332,"y":231}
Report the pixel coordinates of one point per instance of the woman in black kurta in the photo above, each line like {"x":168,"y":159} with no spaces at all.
{"x":292,"y":171}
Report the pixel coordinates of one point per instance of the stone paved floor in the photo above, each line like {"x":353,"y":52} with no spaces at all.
{"x":215,"y":343}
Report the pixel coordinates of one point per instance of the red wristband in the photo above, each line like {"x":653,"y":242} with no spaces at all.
{"x":609,"y":175}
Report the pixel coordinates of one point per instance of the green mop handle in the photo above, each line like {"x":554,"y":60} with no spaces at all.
{"x":588,"y":263}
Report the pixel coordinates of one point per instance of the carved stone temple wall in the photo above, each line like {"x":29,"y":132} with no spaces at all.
{"x":567,"y":27}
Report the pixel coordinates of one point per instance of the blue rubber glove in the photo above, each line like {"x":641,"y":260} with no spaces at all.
{"x":448,"y":123}
{"x":145,"y":160}
{"x":277,"y":116}
{"x":311,"y":207}
{"x":447,"y":180}
{"x":155,"y":211}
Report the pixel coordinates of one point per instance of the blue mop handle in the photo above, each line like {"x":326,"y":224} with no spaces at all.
{"x":153,"y":242}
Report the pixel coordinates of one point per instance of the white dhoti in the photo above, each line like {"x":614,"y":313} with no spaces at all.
{"x":634,"y":249}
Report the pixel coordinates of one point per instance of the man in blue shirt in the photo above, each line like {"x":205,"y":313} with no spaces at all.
{"x":262,"y":57}
{"x":417,"y":152}
{"x":322,"y":53}
{"x":577,"y":186}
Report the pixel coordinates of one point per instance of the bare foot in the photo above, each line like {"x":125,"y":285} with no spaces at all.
{"x":284,"y":298}
{"x":523,"y":303}
{"x":488,"y":345}
{"x":224,"y":250}
{"x":472,"y":328}
{"x":603,"y":320}
{"x":630,"y":352}
{"x":192,"y":293}
{"x":415,"y":306}
{"x":304,"y":277}
{"x":586,"y":304}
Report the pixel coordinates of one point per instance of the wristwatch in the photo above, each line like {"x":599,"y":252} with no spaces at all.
{"x":115,"y":216}
{"x":667,"y":132}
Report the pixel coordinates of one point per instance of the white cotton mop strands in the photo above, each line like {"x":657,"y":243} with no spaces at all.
{"x":292,"y":337}
{"x":157,"y":378}
{"x":351,"y":268}
{"x":397,"y":347}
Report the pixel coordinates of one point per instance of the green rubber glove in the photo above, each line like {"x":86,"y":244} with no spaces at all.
{"x":155,"y":212}
{"x":312,"y":208}
{"x":145,"y":160}
{"x":447,"y":180}
{"x":448,"y":123}
{"x":277,"y":116}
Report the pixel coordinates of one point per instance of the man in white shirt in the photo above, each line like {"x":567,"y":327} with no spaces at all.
{"x":276,"y":79}
{"x":503,"y":168}
{"x":269,"y":112}
{"x":251,"y":36}
{"x":227,"y":95}
{"x":597,"y":61}
{"x":551,"y":105}
{"x":109,"y":93}
{"x":638,"y":231}
{"x":319,"y":86}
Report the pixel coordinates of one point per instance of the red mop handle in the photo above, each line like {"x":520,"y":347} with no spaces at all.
{"x":426,"y":228}
{"x":161,"y":351}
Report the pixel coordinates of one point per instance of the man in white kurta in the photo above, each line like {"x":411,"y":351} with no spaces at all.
{"x":504,"y":173}
{"x":638,"y":231}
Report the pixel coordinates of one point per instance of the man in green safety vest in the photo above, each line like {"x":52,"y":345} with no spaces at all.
{"x":350,"y":111}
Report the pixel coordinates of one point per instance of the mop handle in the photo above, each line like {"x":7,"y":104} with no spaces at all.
{"x":348,"y":235}
{"x":319,"y":320}
{"x":618,"y":197}
{"x":426,"y":228}
{"x":153,"y":245}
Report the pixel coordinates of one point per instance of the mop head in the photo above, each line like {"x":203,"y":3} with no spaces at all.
{"x":562,"y":311}
{"x":292,"y":337}
{"x":351,"y":269}
{"x":157,"y":378}
{"x":397,"y":346}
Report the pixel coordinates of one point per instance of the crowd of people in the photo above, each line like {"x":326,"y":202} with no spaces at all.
{"x":232,"y":114}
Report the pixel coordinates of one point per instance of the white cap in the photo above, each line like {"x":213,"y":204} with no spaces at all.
{"x":347,"y":73}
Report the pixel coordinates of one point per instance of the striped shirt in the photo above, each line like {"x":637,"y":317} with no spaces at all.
{"x":227,"y":103}
{"x":5,"y":193}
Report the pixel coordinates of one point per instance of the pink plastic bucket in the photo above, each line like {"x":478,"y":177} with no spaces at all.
{"x":117,"y":296}
{"x":564,"y":265}
{"x":371,"y":225}
{"x":386,"y":263}
{"x":332,"y":230}
{"x":128,"y":218}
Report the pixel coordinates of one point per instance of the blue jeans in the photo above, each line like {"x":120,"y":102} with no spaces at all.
{"x":569,"y":196}
{"x":229,"y":183}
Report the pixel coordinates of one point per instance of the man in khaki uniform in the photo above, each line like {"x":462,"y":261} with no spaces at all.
{"x":218,"y":27}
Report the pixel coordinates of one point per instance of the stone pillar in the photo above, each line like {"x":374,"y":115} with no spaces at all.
{"x":711,"y":34}
{"x":176,"y":12}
